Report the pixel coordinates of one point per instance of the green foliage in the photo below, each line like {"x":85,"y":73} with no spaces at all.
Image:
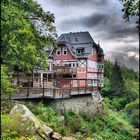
{"x":133,"y":112}
{"x":22,"y":45}
{"x":6,"y":84}
{"x":108,"y":68}
{"x":106,"y":91}
{"x":130,"y":9}
{"x":46,"y":114}
{"x":132,"y":92}
{"x":9,"y":135}
{"x":111,"y":125}
{"x":117,"y":81}
{"x":5,"y":121}
{"x":128,"y":74}
{"x":116,"y":103}
{"x":9,"y":129}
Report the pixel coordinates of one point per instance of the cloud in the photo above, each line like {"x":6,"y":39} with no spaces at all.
{"x":103,"y":19}
{"x":77,"y":3}
{"x":90,"y":21}
{"x":127,"y":56}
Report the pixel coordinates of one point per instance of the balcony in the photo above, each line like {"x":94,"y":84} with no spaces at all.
{"x":64,"y":70}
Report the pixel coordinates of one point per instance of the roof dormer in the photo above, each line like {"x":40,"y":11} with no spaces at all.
{"x":80,"y":50}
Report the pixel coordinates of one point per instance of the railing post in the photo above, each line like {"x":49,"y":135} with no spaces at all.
{"x":78,"y":86}
{"x":71,"y":81}
{"x":92,"y":85}
{"x":85,"y":85}
{"x":28,"y":89}
{"x":43,"y":88}
{"x":53,"y":89}
{"x":61,"y":88}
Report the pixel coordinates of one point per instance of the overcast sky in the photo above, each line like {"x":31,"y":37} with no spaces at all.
{"x":103,"y":20}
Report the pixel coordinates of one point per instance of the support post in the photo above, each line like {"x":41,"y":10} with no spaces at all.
{"x":86,"y":77}
{"x":93,"y":84}
{"x":33,"y":77}
{"x":78,"y":86}
{"x":28,"y":88}
{"x":43,"y":88}
{"x":53,"y":89}
{"x":71,"y":86}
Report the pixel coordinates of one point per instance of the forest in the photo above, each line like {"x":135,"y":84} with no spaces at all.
{"x":25,"y":30}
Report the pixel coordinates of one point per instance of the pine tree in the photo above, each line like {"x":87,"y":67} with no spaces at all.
{"x":116,"y":80}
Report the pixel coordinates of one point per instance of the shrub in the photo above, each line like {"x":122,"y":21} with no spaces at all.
{"x":132,"y":110}
{"x":46,"y":114}
{"x":6,"y":84}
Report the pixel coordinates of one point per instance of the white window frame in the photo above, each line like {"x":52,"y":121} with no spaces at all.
{"x":65,"y":49}
{"x":57,"y":50}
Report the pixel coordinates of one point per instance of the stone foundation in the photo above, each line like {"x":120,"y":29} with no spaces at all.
{"x":81,"y":104}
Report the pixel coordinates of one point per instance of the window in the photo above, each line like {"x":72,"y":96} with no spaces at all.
{"x":89,"y":82}
{"x":58,"y":51}
{"x":102,"y":66}
{"x":79,"y":51}
{"x":73,"y":65}
{"x":77,"y":64}
{"x":70,"y":65}
{"x":36,"y":74}
{"x":64,"y":51}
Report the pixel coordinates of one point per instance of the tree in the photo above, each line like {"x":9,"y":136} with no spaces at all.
{"x":22,"y":41}
{"x":6,"y":85}
{"x":131,"y":9}
{"x":108,"y":68}
{"x":117,"y":83}
{"x":132,"y":109}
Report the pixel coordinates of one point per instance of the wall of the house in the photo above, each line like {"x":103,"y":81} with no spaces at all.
{"x":21,"y":78}
{"x":93,"y":68}
{"x":68,"y":56}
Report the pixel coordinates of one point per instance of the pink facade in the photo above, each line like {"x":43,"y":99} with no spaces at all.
{"x":67,"y":56}
{"x":69,"y":48}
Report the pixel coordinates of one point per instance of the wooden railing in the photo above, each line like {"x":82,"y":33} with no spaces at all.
{"x":63,"y":69}
{"x":59,"y":88}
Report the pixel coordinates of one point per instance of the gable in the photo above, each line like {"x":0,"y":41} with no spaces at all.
{"x":62,"y":56}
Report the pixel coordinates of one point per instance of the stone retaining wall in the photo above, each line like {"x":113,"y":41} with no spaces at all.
{"x":80,"y":104}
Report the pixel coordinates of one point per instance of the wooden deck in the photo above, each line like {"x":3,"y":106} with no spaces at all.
{"x":54,"y":91}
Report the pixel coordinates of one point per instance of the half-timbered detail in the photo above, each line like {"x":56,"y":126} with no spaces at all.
{"x":75,"y":66}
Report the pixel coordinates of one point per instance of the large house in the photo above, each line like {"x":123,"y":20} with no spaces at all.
{"x":76,"y":62}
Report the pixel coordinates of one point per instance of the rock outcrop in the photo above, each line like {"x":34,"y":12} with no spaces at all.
{"x":26,"y":118}
{"x":38,"y":129}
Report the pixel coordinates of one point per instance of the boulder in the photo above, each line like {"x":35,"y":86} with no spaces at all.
{"x":68,"y":138}
{"x":56,"y":136}
{"x":30,"y":123}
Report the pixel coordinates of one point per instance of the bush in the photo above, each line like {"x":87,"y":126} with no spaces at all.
{"x":132,"y":110}
{"x":6,"y":84}
{"x":46,"y":114}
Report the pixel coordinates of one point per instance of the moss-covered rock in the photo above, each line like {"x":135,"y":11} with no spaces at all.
{"x":29,"y":123}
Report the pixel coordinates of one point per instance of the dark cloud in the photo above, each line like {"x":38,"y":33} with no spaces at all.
{"x":90,"y":21}
{"x":94,"y":20}
{"x":105,"y":25}
{"x":119,"y":31}
{"x":103,"y":19}
{"x":78,"y":2}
